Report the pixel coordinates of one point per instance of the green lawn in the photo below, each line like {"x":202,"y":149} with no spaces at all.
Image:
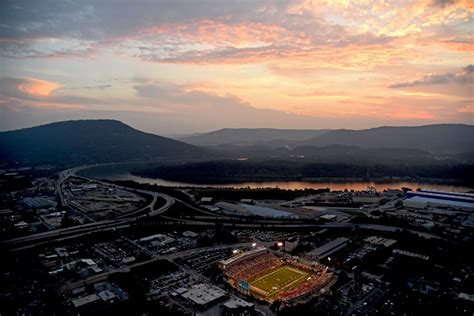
{"x":281,"y":278}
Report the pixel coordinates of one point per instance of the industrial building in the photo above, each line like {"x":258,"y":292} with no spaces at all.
{"x":204,"y":295}
{"x":423,"y":199}
{"x":232,"y":209}
{"x":380,"y":241}
{"x":329,"y":248}
{"x":37,"y":202}
{"x":464,"y":194}
{"x":237,"y":306}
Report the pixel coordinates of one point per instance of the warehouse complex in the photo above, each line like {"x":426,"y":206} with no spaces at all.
{"x":436,"y":199}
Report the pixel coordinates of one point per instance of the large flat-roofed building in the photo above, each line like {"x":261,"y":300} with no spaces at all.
{"x":329,"y":248}
{"x":464,"y":194}
{"x":427,"y":198}
{"x":36,"y":202}
{"x":86,"y":300}
{"x":448,"y":196}
{"x":238,"y":307}
{"x":204,"y":295}
{"x":232,"y":209}
{"x":374,"y":240}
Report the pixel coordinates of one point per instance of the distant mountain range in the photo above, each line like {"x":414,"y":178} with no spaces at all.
{"x":251,"y":136}
{"x":438,"y":139}
{"x":102,"y":141}
{"x":86,"y":142}
{"x":442,"y":138}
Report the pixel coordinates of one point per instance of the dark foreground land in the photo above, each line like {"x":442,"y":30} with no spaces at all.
{"x":161,"y":241}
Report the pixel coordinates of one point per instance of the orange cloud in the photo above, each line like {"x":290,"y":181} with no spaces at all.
{"x":39,"y":88}
{"x":309,"y":34}
{"x":411,"y":115}
{"x":218,"y":33}
{"x":466,"y":109}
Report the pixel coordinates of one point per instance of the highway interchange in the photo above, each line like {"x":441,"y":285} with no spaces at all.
{"x":203,"y":219}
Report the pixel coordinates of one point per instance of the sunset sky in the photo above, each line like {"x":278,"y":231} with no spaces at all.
{"x":192,"y":66}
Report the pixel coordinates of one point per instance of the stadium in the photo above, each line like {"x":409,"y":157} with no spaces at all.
{"x":261,"y":274}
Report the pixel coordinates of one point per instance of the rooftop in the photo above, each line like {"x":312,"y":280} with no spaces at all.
{"x":422,"y":199}
{"x":78,"y":302}
{"x":203,"y":294}
{"x":242,"y":255}
{"x":236,"y":302}
{"x":330,"y":247}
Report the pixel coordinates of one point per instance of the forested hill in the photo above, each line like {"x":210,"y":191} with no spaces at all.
{"x":88,"y":141}
{"x":440,"y":139}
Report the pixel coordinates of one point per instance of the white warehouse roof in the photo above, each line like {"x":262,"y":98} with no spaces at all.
{"x":425,"y":201}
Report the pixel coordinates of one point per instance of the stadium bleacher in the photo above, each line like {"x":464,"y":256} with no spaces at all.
{"x":253,"y":266}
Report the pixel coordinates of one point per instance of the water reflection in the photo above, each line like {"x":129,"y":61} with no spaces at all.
{"x":334,"y":186}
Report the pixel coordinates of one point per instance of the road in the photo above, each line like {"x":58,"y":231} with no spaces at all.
{"x":285,"y":224}
{"x":79,"y":230}
{"x":27,"y":242}
{"x":68,"y":286}
{"x":128,"y":219}
{"x":102,"y":276}
{"x":169,"y":201}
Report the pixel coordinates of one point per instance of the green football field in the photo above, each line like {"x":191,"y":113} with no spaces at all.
{"x":278,"y":279}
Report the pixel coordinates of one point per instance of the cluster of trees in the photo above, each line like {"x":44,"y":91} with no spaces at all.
{"x":222,"y":171}
{"x":236,"y":194}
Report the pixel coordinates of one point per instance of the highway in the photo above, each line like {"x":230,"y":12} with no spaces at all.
{"x":169,"y":201}
{"x":126,"y":220}
{"x":28,"y":242}
{"x":285,"y":224}
{"x":79,"y":230}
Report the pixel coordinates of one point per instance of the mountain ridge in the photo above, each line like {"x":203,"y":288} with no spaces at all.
{"x":436,"y":138}
{"x":251,"y":136}
{"x":88,"y":141}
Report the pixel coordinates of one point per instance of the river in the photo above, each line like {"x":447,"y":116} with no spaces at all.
{"x":118,"y":173}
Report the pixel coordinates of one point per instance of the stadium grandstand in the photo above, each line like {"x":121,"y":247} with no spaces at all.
{"x":260,"y":273}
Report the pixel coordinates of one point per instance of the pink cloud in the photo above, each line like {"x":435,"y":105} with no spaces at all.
{"x":39,"y":88}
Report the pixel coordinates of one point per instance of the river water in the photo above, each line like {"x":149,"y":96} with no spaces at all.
{"x":122,"y":174}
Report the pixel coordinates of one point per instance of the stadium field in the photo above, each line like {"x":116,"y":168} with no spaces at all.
{"x":277,"y":280}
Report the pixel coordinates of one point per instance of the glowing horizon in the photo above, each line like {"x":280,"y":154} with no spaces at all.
{"x":184,"y":66}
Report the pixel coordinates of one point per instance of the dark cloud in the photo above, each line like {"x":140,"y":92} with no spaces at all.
{"x":9,"y":87}
{"x":465,"y":76}
{"x":100,"y":87}
{"x":102,"y":20}
{"x":443,"y":3}
{"x":158,"y":90}
{"x":469,"y":69}
{"x":27,"y":49}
